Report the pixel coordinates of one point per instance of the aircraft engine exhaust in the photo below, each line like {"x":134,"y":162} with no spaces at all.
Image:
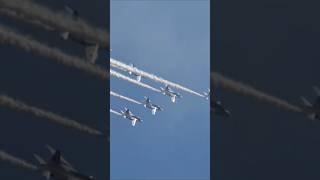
{"x":8,"y":36}
{"x":124,"y":97}
{"x":245,"y":90}
{"x":121,"y":76}
{"x":55,"y":118}
{"x":125,"y":67}
{"x":115,"y":112}
{"x":30,"y":10}
{"x":16,"y":161}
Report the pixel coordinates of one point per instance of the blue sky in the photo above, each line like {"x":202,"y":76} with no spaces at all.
{"x":169,"y":39}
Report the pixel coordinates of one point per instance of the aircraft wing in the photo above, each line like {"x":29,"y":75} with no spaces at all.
{"x":134,"y":121}
{"x":173,"y":99}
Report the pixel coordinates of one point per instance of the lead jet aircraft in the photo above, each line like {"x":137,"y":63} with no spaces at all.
{"x":91,"y":48}
{"x":138,"y":76}
{"x":168,"y":92}
{"x":217,"y":107}
{"x":312,"y":110}
{"x":129,"y":115}
{"x":154,"y":108}
{"x":57,"y":168}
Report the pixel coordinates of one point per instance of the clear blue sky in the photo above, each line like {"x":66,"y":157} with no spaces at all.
{"x":169,"y":39}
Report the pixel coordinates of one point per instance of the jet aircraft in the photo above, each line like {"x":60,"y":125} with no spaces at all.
{"x":138,"y":76}
{"x":57,"y":168}
{"x":129,"y":115}
{"x":168,"y":92}
{"x":154,"y":108}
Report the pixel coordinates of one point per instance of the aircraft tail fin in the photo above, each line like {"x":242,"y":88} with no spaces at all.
{"x":154,"y":110}
{"x":133,"y":122}
{"x":306,"y":102}
{"x":139,"y":78}
{"x":92,"y":53}
{"x":173,"y":99}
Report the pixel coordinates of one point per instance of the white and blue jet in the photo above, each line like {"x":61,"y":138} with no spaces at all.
{"x":57,"y":168}
{"x":138,"y":76}
{"x":312,"y":110}
{"x":129,"y":115}
{"x":168,"y":92}
{"x":154,"y":108}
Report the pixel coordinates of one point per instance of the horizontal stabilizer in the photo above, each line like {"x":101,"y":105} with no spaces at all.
{"x":306,"y":102}
{"x":39,"y":159}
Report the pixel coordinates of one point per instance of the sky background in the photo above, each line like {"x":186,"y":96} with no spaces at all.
{"x":273,"y":46}
{"x":69,"y":92}
{"x":171,"y":40}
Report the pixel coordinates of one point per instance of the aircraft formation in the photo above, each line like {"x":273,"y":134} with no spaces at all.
{"x":167,"y":91}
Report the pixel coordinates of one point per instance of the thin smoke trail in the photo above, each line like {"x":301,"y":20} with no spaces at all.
{"x":57,"y":20}
{"x":7,"y":36}
{"x":15,"y":15}
{"x":115,"y":112}
{"x":242,"y":89}
{"x":121,"y":76}
{"x":124,"y":97}
{"x":52,"y":117}
{"x":125,"y":67}
{"x":4,"y":156}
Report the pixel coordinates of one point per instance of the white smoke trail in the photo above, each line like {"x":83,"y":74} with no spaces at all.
{"x":115,"y":112}
{"x":237,"y":87}
{"x":7,"y":36}
{"x":124,"y":97}
{"x":16,"y":161}
{"x":15,"y":15}
{"x":81,"y":29}
{"x":55,"y":118}
{"x":125,"y":67}
{"x":121,"y":76}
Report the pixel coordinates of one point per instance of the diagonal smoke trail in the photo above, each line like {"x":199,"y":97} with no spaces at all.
{"x":12,"y":14}
{"x":124,"y":97}
{"x":237,"y":87}
{"x":115,"y":112}
{"x":121,"y":76}
{"x":79,"y":28}
{"x":16,"y":161}
{"x":125,"y":67}
{"x":7,"y":36}
{"x":55,"y":118}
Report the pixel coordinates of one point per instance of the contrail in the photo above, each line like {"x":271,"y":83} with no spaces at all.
{"x":7,"y":36}
{"x":81,"y":29}
{"x":115,"y":112}
{"x":15,"y":15}
{"x":124,"y":97}
{"x":16,"y":161}
{"x":121,"y":76}
{"x":242,"y":89}
{"x":125,"y":67}
{"x":55,"y":118}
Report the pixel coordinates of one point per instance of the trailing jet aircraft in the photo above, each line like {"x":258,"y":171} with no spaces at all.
{"x":138,"y":76}
{"x":154,"y":108}
{"x":217,"y":107}
{"x":57,"y":168}
{"x":312,"y":110}
{"x":168,"y":92}
{"x":91,"y":48}
{"x":129,"y":115}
